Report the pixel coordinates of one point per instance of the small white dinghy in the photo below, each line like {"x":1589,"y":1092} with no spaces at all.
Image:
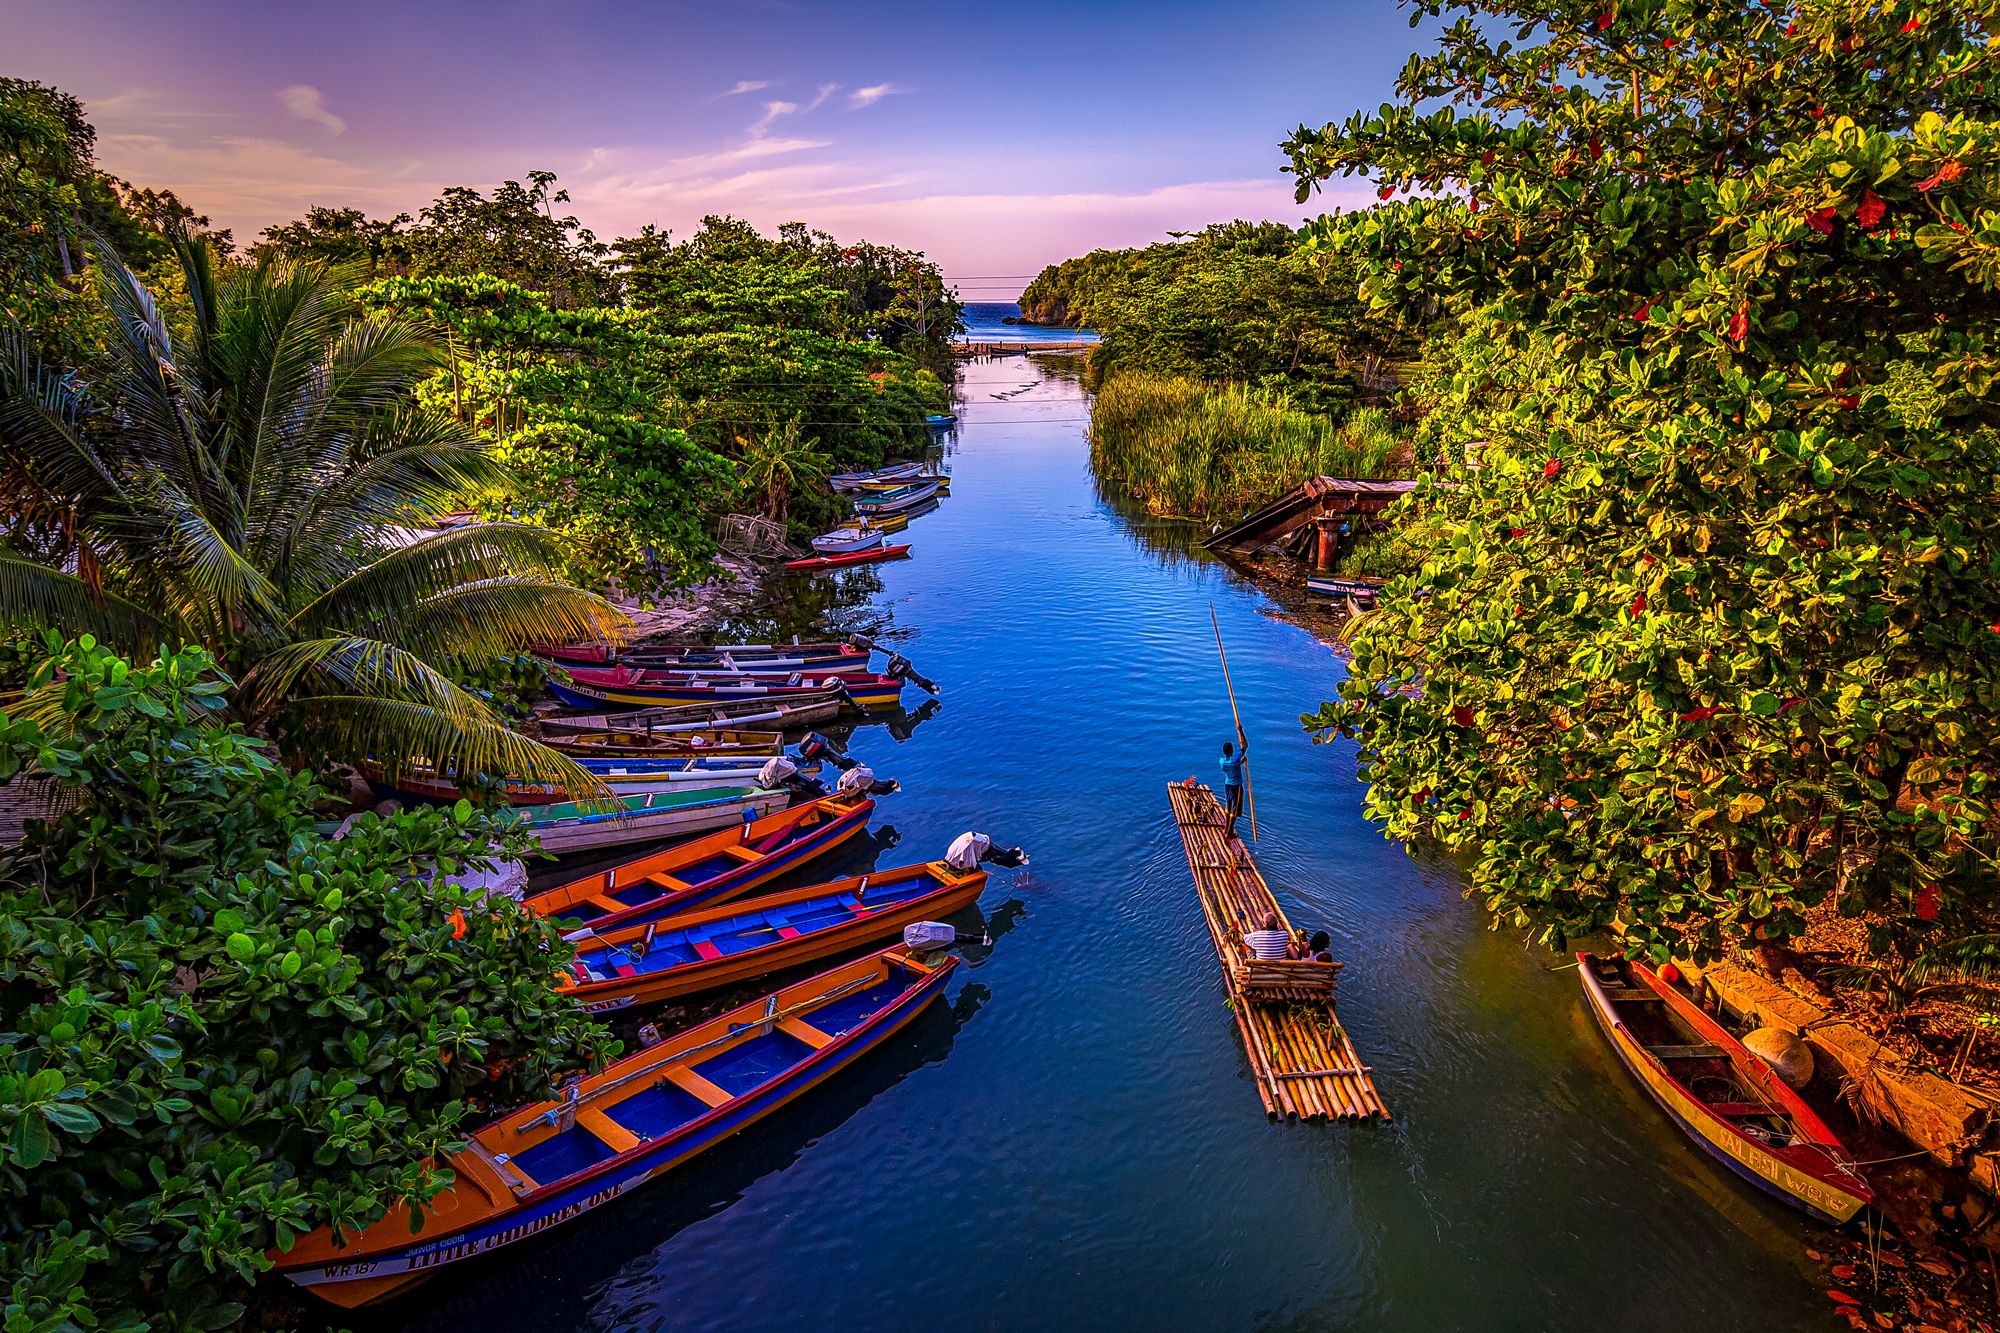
{"x":843,"y":540}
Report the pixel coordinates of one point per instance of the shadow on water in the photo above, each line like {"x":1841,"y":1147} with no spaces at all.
{"x":602,"y":1258}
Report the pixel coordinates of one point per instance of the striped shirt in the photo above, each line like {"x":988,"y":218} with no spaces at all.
{"x":1267,"y":944}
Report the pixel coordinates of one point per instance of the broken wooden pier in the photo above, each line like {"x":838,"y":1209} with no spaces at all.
{"x":1303,"y":1061}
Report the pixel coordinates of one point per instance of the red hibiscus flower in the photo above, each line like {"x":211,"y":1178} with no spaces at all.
{"x":1552,"y":468}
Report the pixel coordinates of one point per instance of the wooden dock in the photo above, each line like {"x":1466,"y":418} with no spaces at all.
{"x":1306,"y":1067}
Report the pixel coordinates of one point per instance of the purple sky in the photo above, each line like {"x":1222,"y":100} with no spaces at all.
{"x":996,"y":138}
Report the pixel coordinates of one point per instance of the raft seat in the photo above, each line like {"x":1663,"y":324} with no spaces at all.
{"x":667,"y":882}
{"x":606,"y":903}
{"x":1701,"y":1052}
{"x":1745,"y":1108}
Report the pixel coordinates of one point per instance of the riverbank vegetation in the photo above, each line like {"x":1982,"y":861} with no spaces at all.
{"x":1230,"y":363}
{"x":232,"y":561}
{"x":1708,"y":643}
{"x":1190,"y":449}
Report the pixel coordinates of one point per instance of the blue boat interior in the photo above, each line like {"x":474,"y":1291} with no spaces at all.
{"x":659,"y":1107}
{"x":709,"y":873}
{"x":753,"y":928}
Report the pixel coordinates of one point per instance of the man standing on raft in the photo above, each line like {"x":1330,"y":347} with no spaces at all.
{"x":1232,"y":778}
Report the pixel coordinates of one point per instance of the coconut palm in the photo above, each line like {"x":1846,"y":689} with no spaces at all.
{"x":263,"y":481}
{"x":774,"y":468}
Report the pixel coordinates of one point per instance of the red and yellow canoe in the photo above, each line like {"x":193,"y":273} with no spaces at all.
{"x":1729,"y":1101}
{"x":723,"y":865}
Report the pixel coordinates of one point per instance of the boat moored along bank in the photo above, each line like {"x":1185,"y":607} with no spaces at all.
{"x":548,"y":1163}
{"x":711,"y":869}
{"x":1726,"y":1098}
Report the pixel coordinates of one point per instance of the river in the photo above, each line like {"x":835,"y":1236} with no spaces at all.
{"x":1074,"y":1140}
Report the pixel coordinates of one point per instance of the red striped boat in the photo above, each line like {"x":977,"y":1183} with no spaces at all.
{"x":1729,"y":1101}
{"x":816,"y":562}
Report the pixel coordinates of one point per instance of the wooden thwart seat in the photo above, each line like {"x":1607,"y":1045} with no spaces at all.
{"x":694,"y":1084}
{"x":1304,"y":1064}
{"x":1688,"y":1052}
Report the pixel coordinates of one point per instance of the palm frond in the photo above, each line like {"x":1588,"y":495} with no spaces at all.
{"x":398,"y":584}
{"x":43,"y":432}
{"x":460,"y":733}
{"x":34,"y":594}
{"x":399,"y":737}
{"x":478,"y":621}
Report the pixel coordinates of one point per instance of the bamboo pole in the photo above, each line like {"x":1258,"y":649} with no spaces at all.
{"x":1249,"y":790}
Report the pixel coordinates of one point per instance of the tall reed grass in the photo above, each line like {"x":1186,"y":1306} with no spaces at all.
{"x":1188,"y":449}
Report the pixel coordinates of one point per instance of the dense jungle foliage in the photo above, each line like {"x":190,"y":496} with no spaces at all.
{"x":1236,"y":302}
{"x":1707,"y":638}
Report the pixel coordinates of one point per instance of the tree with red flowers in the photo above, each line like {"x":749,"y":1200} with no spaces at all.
{"x":1719,"y":596}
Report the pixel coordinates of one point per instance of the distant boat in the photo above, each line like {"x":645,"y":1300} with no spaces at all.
{"x":939,"y":479}
{"x":888,"y":522}
{"x":854,"y":481}
{"x":546,"y":1164}
{"x":870,"y":503}
{"x":941,"y":420}
{"x":819,"y":562}
{"x":752,"y":937}
{"x":1729,"y":1101}
{"x":724,"y":864}
{"x":843,"y":540}
{"x":1326,"y":585}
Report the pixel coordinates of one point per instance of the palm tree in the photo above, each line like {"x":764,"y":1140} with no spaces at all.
{"x":774,"y":468}
{"x":264,"y":483}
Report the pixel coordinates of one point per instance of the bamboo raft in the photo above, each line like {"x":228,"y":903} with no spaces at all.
{"x":1305,"y":1065}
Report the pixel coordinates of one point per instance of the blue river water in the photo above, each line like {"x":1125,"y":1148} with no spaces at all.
{"x":1073,"y":1140}
{"x":986,"y":321}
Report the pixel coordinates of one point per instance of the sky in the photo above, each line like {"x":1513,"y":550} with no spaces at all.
{"x":995,"y":137}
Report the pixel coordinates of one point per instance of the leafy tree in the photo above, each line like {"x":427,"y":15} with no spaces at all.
{"x":259,"y":486}
{"x":1711,"y":634}
{"x":340,"y":236}
{"x":515,"y":235}
{"x":221,"y":1029}
{"x":578,"y":407}
{"x":1236,"y":302}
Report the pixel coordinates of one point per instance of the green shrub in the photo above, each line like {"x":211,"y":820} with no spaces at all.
{"x":222,"y":1028}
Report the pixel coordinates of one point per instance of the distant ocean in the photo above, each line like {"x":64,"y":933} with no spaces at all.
{"x":983,"y":324}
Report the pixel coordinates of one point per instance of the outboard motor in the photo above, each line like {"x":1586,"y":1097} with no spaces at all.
{"x":860,"y":780}
{"x":937,"y":936}
{"x":861,"y":641}
{"x":781,"y":773}
{"x":848,"y":699}
{"x":899,"y":667}
{"x":817,"y":749}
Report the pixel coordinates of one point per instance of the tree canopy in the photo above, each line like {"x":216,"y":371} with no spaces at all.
{"x":1709,"y":636}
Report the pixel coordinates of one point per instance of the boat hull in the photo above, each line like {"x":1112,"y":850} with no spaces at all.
{"x":377,"y":1273}
{"x":1821,"y":1193}
{"x":591,"y":903}
{"x":588,"y":832}
{"x":895,"y":500}
{"x":845,"y":540}
{"x":819,"y":562}
{"x":613,"y":993}
{"x":854,"y":481}
{"x":577,"y":694}
{"x":795,"y":711}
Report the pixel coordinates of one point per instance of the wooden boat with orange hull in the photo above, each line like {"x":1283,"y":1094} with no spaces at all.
{"x":1729,"y":1101}
{"x":750,"y":937}
{"x":545,"y":1164}
{"x":721,"y":866}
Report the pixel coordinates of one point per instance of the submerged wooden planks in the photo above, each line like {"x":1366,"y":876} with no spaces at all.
{"x":1304,"y":1063}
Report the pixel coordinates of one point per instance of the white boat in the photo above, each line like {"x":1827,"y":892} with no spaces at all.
{"x":842,"y":540}
{"x":568,"y":827}
{"x":854,"y":481}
